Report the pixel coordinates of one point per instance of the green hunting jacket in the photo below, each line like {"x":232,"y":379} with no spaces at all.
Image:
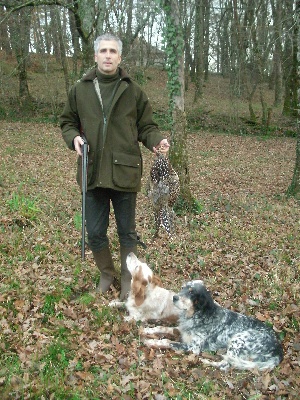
{"x":114,"y":158}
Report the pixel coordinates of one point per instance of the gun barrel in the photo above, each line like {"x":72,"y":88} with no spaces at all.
{"x":84,"y":151}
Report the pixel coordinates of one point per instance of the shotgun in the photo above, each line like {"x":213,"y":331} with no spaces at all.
{"x":84,"y":164}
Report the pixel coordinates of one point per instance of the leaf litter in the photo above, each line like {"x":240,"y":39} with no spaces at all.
{"x":60,"y":340}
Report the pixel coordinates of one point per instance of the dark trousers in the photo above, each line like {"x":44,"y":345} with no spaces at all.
{"x":98,"y":202}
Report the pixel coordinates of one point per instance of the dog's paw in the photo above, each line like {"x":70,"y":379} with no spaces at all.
{"x":129,"y":318}
{"x":206,"y":361}
{"x":159,"y":331}
{"x":223,"y":365}
{"x":157,"y":343}
{"x":179,"y":346}
{"x":116,"y":304}
{"x":151,"y":331}
{"x":147,"y":331}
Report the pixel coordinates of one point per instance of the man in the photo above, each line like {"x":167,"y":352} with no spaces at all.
{"x":115,"y":115}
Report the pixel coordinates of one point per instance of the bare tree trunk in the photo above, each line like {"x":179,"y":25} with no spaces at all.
{"x":75,"y":43}
{"x":277,"y":17}
{"x":100,"y":16}
{"x":86,"y":18}
{"x":291,"y":65}
{"x":62,"y":49}
{"x":187,"y":12}
{"x":20,"y":37}
{"x":198,"y":49}
{"x":206,"y":24}
{"x":223,"y":53}
{"x":237,"y":51}
{"x":48,"y":38}
{"x":87,"y":54}
{"x":294,"y":188}
{"x":4,"y":38}
{"x":56,"y":32}
{"x":128,"y":34}
{"x":38,"y":42}
{"x":250,"y":103}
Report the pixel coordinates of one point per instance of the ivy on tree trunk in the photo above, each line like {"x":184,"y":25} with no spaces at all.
{"x":174,"y":46}
{"x":294,"y":188}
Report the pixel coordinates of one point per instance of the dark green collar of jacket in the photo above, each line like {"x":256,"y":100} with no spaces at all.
{"x":92,"y":74}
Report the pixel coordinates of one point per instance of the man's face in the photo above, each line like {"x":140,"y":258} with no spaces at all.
{"x":108,"y":57}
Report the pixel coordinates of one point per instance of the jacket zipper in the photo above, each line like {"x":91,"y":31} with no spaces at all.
{"x":105,"y":119}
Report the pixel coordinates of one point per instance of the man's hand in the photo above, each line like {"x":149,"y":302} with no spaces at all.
{"x":78,"y":142}
{"x":162,"y":146}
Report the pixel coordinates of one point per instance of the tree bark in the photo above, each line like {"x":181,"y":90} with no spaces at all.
{"x":223,"y":44}
{"x":277,"y":17}
{"x":20,"y":37}
{"x":55,"y":26}
{"x":75,"y":43}
{"x":291,"y":65}
{"x":294,"y":188}
{"x":206,"y":21}
{"x":62,"y":50}
{"x":198,"y":49}
{"x":178,"y":150}
{"x":4,"y":38}
{"x":38,"y":41}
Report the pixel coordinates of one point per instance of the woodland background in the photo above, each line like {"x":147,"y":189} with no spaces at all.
{"x":240,"y":139}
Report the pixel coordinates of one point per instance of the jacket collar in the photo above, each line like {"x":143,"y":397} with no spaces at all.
{"x":92,"y":74}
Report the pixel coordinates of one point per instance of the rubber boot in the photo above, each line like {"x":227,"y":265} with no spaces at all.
{"x":125,"y":274}
{"x":106,"y":267}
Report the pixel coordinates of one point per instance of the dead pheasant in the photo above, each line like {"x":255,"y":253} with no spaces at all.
{"x":163,"y":190}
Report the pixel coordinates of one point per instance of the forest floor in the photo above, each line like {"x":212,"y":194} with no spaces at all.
{"x":59,"y":340}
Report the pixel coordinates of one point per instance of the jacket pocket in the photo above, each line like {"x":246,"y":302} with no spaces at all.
{"x":90,"y":169}
{"x":127,"y":170}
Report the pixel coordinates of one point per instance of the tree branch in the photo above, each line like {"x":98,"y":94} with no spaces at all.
{"x":15,"y":5}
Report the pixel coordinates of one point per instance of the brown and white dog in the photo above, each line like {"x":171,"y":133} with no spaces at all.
{"x":147,"y":299}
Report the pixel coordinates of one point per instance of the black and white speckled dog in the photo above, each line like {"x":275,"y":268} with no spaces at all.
{"x":206,"y":326}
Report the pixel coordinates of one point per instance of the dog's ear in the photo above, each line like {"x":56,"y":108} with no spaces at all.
{"x":138,"y":288}
{"x":204,"y":301}
{"x":155,"y":280}
{"x":132,"y":262}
